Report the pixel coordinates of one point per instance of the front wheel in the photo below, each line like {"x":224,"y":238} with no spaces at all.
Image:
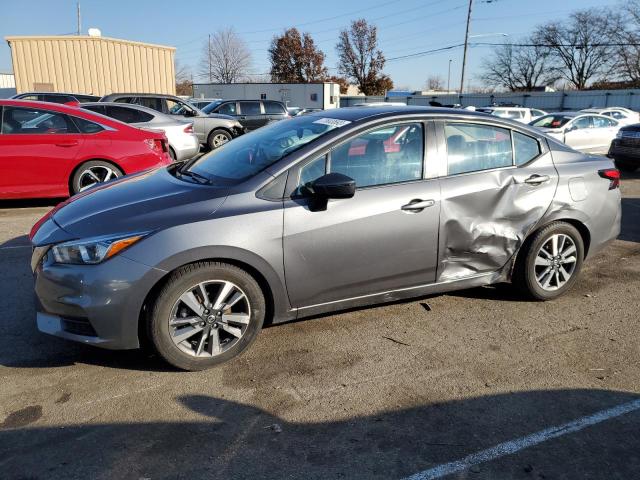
{"x":92,"y":173}
{"x":206,"y":314}
{"x":551,"y":261}
{"x":217,"y":138}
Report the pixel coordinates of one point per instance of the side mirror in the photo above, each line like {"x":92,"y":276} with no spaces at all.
{"x":334,"y":185}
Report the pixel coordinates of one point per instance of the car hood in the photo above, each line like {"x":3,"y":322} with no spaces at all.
{"x":147,"y":201}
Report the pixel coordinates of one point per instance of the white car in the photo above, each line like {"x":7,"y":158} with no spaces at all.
{"x":521,"y":114}
{"x":587,"y":132}
{"x":183,"y":143}
{"x":624,"y":116}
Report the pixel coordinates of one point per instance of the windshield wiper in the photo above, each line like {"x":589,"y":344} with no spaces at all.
{"x":196,"y":176}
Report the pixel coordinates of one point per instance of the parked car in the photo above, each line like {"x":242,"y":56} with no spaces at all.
{"x":625,"y":148}
{"x":292,"y":221}
{"x":53,"y":150}
{"x":183,"y":143}
{"x":53,"y":97}
{"x":200,"y":103}
{"x":307,"y":111}
{"x":293,"y":111}
{"x":379,"y":104}
{"x":624,"y":116}
{"x":251,"y":114}
{"x":521,"y":114}
{"x":587,"y":132}
{"x":212,"y":130}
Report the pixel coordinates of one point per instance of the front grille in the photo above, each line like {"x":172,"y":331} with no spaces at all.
{"x":78,"y":326}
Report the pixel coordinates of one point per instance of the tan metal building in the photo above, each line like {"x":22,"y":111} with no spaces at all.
{"x":91,"y":64}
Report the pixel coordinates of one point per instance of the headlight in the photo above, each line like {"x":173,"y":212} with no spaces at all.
{"x":93,"y":250}
{"x":619,"y":134}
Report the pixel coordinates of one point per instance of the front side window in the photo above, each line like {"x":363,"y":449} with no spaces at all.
{"x":128,"y":115}
{"x":273,"y":108}
{"x":29,"y":121}
{"x":150,"y":102}
{"x":551,"y":121}
{"x":177,"y":108}
{"x":525,"y":148}
{"x":602,"y":122}
{"x":392,"y":154}
{"x":250,"y":154}
{"x":250,"y":108}
{"x":474,"y":147}
{"x":581,"y":123}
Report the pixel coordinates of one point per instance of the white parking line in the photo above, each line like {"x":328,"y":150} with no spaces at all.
{"x":513,"y":446}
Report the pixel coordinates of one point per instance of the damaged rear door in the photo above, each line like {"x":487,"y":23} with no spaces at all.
{"x":499,"y":182}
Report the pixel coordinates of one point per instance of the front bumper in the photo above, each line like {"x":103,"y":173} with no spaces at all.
{"x":93,"y":304}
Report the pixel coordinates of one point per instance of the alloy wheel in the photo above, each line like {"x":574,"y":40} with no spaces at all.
{"x":555,"y":262}
{"x":94,"y":175}
{"x":219,"y":139}
{"x":209,"y":318}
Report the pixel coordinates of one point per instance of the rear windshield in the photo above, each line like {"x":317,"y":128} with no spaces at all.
{"x":251,"y":153}
{"x":551,"y":121}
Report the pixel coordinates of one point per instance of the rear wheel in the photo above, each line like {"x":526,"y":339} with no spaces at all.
{"x":626,"y":166}
{"x":551,"y":261}
{"x":206,"y":314}
{"x":217,"y":138}
{"x":92,"y":173}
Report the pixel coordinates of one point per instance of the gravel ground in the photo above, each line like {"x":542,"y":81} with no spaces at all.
{"x":382,"y":392}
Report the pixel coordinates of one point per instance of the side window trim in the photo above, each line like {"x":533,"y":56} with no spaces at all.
{"x":541,"y":151}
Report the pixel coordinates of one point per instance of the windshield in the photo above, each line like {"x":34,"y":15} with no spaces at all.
{"x":209,"y":108}
{"x":251,"y":153}
{"x":551,"y":121}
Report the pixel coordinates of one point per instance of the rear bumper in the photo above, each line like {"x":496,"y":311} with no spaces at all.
{"x":93,"y":304}
{"x":187,"y":148}
{"x":627,"y":153}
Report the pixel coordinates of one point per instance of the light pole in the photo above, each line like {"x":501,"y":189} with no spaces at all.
{"x":449,"y":78}
{"x":466,"y":44}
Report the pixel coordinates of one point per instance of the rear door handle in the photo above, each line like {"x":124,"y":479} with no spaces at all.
{"x":417,"y":205}
{"x":536,"y":179}
{"x":70,"y":143}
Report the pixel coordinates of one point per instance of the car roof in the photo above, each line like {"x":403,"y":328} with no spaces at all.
{"x":58,"y":93}
{"x":354,"y":114}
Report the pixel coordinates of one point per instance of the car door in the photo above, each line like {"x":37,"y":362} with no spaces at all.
{"x":251,"y":114}
{"x":579,"y":134}
{"x":38,"y":148}
{"x":606,"y":130}
{"x":497,"y":185}
{"x":384,"y":238}
{"x":274,"y":111}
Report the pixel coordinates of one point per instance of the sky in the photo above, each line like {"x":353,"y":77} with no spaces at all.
{"x":405,"y":27}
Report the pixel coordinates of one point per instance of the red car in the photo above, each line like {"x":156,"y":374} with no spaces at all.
{"x":53,"y":150}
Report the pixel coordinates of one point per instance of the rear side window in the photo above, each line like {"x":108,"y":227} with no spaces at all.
{"x":30,"y":121}
{"x":59,"y":98}
{"x":474,"y":147}
{"x":273,"y":108}
{"x":96,"y":108}
{"x":128,"y":115}
{"x":525,"y":148}
{"x":601,"y":122}
{"x":150,"y":102}
{"x":86,"y":126}
{"x":250,"y":108}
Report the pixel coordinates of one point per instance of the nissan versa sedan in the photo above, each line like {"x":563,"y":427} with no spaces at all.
{"x":320,"y":213}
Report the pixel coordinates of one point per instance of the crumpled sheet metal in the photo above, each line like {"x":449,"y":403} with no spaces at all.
{"x":483,"y":226}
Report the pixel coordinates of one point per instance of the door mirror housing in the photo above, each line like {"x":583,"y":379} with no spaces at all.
{"x":334,"y":185}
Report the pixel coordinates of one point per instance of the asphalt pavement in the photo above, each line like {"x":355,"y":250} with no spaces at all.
{"x":476,"y":384}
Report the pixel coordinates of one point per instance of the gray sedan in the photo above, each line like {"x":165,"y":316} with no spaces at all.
{"x":319,"y":213}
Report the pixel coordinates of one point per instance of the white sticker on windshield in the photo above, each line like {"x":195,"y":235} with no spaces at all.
{"x":334,"y":122}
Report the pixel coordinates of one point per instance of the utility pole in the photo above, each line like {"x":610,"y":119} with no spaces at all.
{"x":449,"y":78}
{"x":466,"y":44}
{"x":79,"y":18}
{"x":210,"y":68}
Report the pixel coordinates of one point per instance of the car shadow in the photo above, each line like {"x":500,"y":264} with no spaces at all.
{"x":231,"y":440}
{"x":31,"y":203}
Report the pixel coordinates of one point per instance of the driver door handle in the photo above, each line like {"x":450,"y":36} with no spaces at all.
{"x":67,"y":143}
{"x":536,"y":179}
{"x":417,"y":205}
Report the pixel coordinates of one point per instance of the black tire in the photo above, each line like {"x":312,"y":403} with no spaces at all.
{"x":524,"y":276}
{"x":80,"y":176}
{"x":215,"y":135}
{"x":182,"y":280}
{"x":626,"y":166}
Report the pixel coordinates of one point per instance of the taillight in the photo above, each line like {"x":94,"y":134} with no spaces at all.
{"x":611,"y":174}
{"x":158,"y":145}
{"x":188,"y":128}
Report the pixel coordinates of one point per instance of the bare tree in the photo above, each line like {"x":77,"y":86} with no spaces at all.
{"x":184,"y":80}
{"x":580,"y":46}
{"x":519,"y":68}
{"x":225,"y":57}
{"x":296,"y":59}
{"x":434,"y":83}
{"x":360,"y":59}
{"x":627,"y":35}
